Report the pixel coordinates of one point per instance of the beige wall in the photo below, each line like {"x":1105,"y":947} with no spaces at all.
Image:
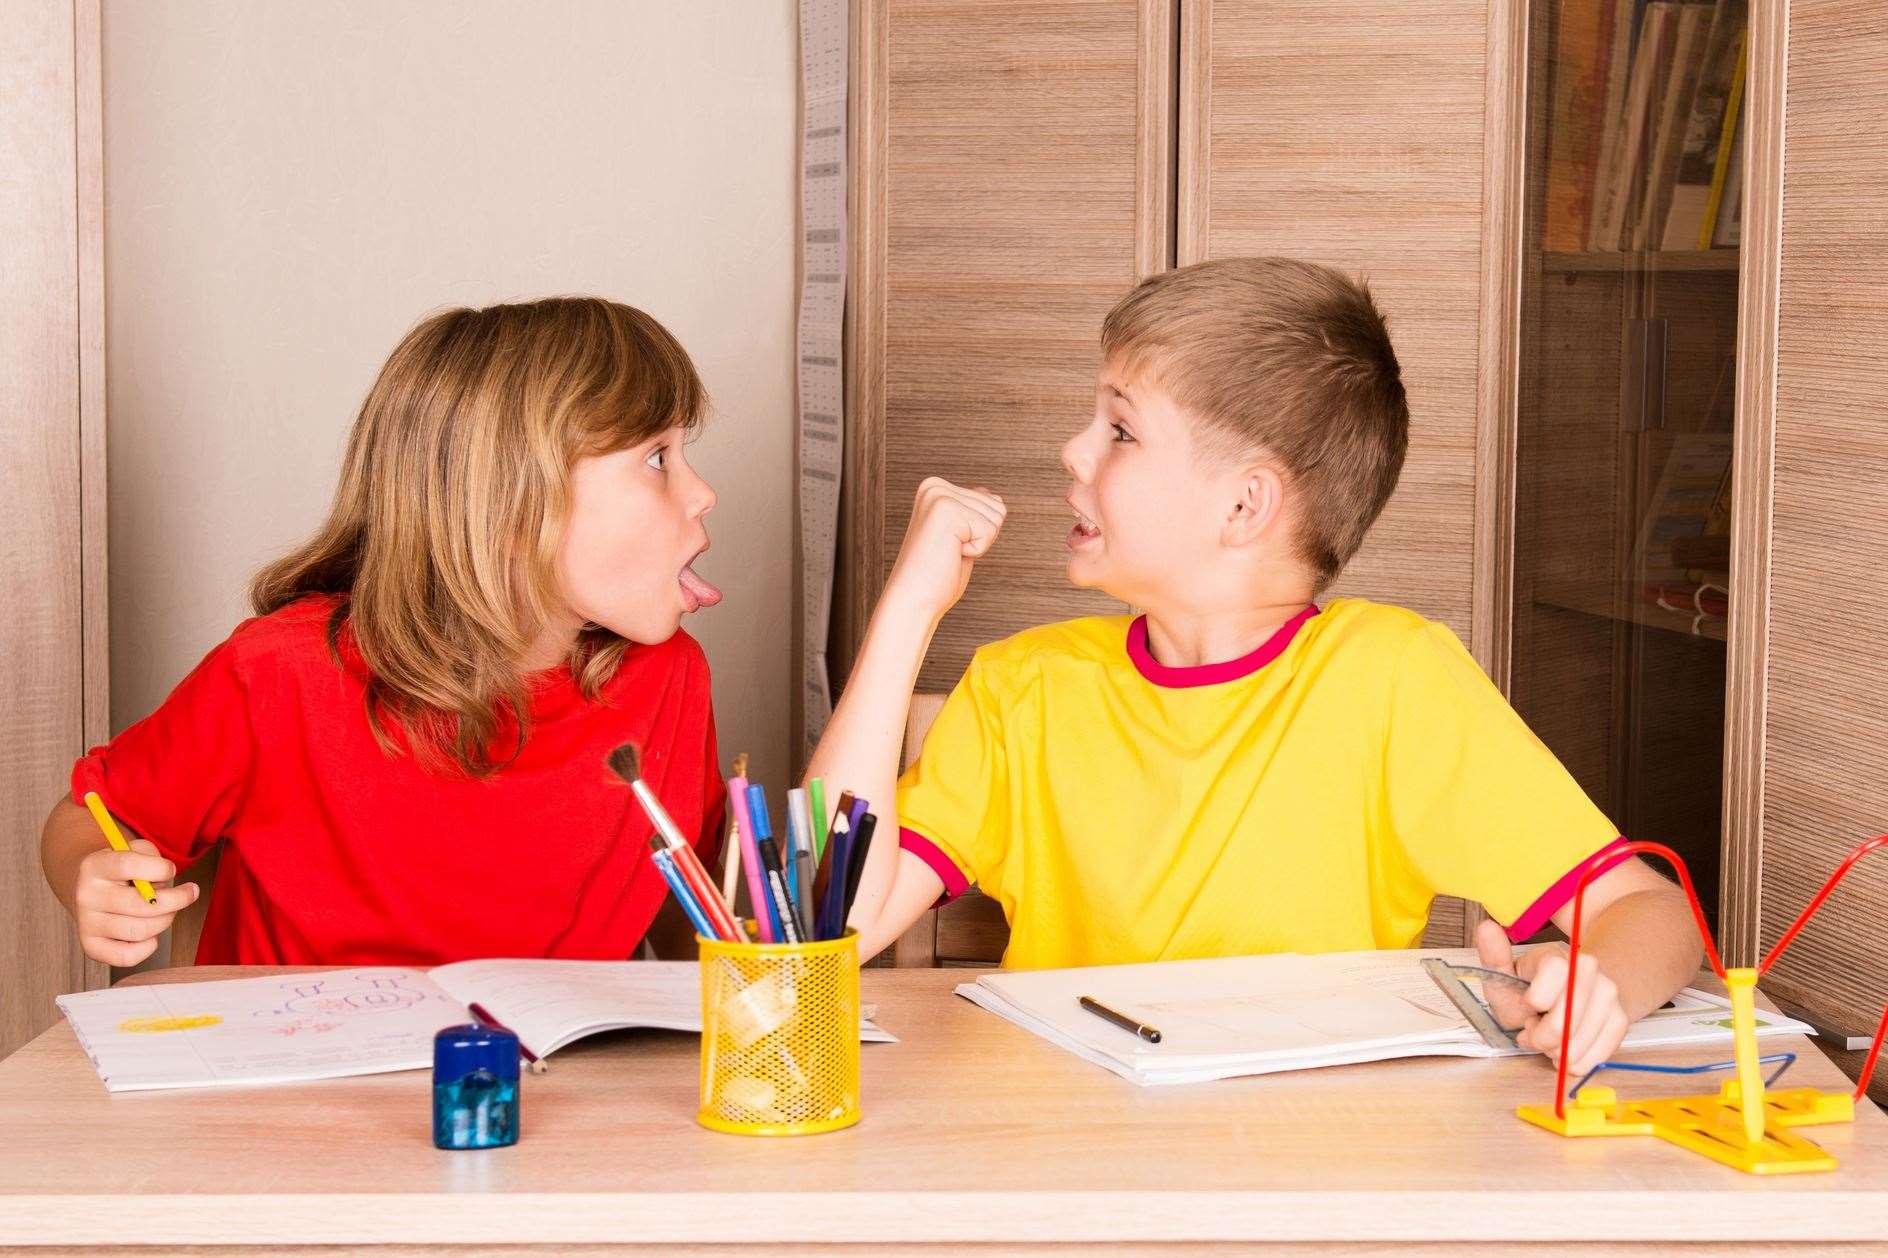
{"x":288,"y":187}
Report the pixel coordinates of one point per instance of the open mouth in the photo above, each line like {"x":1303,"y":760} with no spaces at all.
{"x":697,"y":592}
{"x":1085,"y":530}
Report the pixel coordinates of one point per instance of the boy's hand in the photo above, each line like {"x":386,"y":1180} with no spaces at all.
{"x":1599,"y":1020}
{"x":116,"y":924}
{"x":950,"y":530}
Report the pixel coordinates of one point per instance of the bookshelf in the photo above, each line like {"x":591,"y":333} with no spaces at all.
{"x":1625,"y":416}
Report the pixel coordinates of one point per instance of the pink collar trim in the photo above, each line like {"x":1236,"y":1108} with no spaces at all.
{"x":1211,"y":674}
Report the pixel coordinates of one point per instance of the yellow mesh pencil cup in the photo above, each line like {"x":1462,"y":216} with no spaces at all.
{"x":780,"y":1036}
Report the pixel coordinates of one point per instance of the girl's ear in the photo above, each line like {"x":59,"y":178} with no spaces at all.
{"x":1258,"y":503}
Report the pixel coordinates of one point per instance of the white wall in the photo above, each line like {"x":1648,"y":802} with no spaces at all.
{"x":290,"y":186}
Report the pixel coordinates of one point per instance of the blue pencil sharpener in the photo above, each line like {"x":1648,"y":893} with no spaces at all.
{"x":475,"y":1087}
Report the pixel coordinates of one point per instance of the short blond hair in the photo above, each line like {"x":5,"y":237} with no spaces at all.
{"x":454,"y":494}
{"x":1282,"y":357}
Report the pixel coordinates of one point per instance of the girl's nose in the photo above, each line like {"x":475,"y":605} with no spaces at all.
{"x":698,"y":494}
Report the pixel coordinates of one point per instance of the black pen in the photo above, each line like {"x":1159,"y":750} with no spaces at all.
{"x":1121,"y":1020}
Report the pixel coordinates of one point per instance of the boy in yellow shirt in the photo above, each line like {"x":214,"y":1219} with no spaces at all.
{"x":1238,"y":769}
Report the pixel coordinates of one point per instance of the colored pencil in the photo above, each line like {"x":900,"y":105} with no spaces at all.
{"x":695,"y":874}
{"x":665,"y":863}
{"x":478,"y":1011}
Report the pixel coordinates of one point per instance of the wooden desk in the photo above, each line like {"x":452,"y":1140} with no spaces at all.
{"x":974,"y":1131}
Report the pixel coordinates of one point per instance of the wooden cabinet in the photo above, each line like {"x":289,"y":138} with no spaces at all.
{"x":1626,"y":415}
{"x":1011,"y":180}
{"x":1010,"y":186}
{"x":52,"y":478}
{"x":1819,"y":668}
{"x":1355,"y":134}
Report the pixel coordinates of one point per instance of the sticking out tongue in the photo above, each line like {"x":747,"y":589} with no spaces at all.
{"x":699,"y":591}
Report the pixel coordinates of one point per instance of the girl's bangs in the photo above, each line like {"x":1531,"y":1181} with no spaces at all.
{"x":644,"y":384}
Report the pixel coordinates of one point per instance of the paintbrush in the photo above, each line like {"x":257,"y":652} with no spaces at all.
{"x":625,"y":761}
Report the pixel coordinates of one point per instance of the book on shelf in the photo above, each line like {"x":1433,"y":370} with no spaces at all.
{"x":1664,"y":80}
{"x":1667,"y":138}
{"x":1619,"y":60}
{"x":1690,"y":503}
{"x":1726,"y":225}
{"x":1651,"y":66}
{"x":1590,"y":51}
{"x":1713,"y":121}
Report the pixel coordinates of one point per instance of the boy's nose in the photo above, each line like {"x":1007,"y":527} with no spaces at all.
{"x":1075,"y":458}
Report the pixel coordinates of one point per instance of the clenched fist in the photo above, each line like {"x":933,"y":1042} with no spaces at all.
{"x":951,"y":528}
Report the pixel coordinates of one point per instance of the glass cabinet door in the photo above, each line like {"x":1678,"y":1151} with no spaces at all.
{"x":1625,"y":418}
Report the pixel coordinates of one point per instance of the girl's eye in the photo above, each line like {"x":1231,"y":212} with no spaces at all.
{"x":1121,"y":434}
{"x":658,"y":459}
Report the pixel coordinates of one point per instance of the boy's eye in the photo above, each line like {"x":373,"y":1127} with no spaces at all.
{"x":1121,"y":434}
{"x":658,"y":459}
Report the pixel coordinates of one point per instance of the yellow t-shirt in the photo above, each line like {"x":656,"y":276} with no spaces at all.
{"x":1311,"y":797}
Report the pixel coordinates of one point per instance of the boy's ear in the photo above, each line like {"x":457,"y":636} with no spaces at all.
{"x":1259,"y":502}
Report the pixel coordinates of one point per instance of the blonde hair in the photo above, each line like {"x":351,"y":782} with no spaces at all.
{"x":453,"y":496}
{"x":1284,"y":357}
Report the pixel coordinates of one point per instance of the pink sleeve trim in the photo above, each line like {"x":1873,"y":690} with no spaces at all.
{"x":955,"y":882}
{"x":1550,"y":900}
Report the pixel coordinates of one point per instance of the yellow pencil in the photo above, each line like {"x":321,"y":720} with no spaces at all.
{"x":117,"y":840}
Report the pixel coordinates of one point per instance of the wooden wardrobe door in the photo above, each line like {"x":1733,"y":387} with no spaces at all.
{"x":52,"y":644}
{"x":1012,"y":181}
{"x":1351,"y":133}
{"x":1356,"y":133}
{"x":1825,"y":754}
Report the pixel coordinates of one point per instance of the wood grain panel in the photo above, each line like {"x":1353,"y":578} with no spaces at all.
{"x":1022,"y":174}
{"x":1504,"y":201}
{"x":1826,"y":759}
{"x":1351,"y":133}
{"x":42,"y":701}
{"x":88,"y":119}
{"x":1746,"y":700}
{"x":858,"y":569}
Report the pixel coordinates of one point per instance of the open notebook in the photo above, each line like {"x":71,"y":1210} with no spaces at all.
{"x":291,"y":1027}
{"x":1232,"y":1016}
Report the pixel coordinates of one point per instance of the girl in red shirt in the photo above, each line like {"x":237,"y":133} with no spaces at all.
{"x":403,"y":752}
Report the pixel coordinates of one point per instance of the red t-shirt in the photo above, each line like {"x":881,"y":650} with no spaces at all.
{"x":338,"y":853}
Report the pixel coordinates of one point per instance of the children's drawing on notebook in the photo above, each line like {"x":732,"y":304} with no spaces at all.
{"x":161,"y":1024}
{"x":345,"y":995}
{"x":306,"y":1026}
{"x":262,"y":1030}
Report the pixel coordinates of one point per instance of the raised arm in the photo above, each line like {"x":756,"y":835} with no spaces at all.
{"x":950,"y":529}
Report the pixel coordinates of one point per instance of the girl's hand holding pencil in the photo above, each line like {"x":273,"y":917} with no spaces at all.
{"x":124,"y":898}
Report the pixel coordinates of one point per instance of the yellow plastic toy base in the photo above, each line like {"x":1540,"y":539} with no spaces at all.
{"x":1752,"y":1137}
{"x":1711,"y":1125}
